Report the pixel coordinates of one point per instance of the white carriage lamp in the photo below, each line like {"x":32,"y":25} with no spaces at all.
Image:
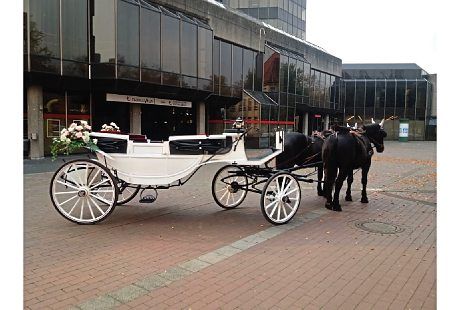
{"x":238,"y":124}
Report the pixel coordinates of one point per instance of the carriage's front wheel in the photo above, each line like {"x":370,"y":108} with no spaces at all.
{"x":84,"y":191}
{"x":280,"y":198}
{"x":229,"y":186}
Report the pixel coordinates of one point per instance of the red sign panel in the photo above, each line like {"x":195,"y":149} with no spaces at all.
{"x":317,"y":115}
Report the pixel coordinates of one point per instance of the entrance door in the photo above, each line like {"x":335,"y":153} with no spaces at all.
{"x":160,"y":122}
{"x":315,"y":122}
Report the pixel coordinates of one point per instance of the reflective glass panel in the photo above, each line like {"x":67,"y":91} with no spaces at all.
{"x":284,"y":69}
{"x":189,"y":44}
{"x":128,"y":39}
{"x":103,"y":49}
{"x":170,"y":44}
{"x":248,"y":69}
{"x":204,"y":53}
{"x":150,"y":37}
{"x":292,"y":75}
{"x":74,"y":30}
{"x":237,"y":67}
{"x":225,"y":68}
{"x":400,"y":94}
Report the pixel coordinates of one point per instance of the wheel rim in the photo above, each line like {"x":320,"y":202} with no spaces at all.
{"x":83,"y":192}
{"x":281,"y":198}
{"x":228,"y":187}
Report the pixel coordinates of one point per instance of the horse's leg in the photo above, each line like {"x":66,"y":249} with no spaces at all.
{"x":319,"y":188}
{"x":365,"y":170}
{"x":349,"y":182}
{"x":329,"y":179}
{"x":338,"y":186}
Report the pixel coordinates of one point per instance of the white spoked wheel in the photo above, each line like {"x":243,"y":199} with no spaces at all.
{"x":84,"y":191}
{"x":229,"y":186}
{"x":126,"y":193}
{"x":280,"y":198}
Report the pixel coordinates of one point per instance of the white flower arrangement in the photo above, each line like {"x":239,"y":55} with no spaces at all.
{"x":74,"y":137}
{"x":110,"y":128}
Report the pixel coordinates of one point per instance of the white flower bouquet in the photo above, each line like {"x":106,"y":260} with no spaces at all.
{"x":112,"y":128}
{"x":72,"y":138}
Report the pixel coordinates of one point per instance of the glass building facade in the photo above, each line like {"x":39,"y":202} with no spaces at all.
{"x":78,"y":52}
{"x":287,"y":15}
{"x":393,"y":92}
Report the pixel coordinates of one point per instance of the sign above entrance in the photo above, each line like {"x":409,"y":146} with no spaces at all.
{"x":148,"y":100}
{"x":317,"y":115}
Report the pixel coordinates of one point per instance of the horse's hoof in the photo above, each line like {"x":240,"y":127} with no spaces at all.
{"x":328,"y":205}
{"x":337,"y":208}
{"x":348,"y":198}
{"x":364,"y":200}
{"x":320,"y":193}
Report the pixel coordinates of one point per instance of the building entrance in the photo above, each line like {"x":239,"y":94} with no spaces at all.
{"x":160,"y":122}
{"x":316,"y":122}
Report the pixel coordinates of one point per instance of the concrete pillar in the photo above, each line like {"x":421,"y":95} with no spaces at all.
{"x":305,"y":124}
{"x":135,"y":118}
{"x":35,"y":121}
{"x":201,"y":118}
{"x":326,"y":122}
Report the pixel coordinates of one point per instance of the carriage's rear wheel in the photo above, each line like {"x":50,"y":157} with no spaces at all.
{"x":229,"y":186}
{"x":126,"y":192}
{"x":280,"y":198}
{"x":84,"y":191}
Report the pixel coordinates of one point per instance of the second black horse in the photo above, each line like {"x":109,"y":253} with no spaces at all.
{"x":345,"y":150}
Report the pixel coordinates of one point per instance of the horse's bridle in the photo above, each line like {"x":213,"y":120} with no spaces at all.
{"x":376,"y":144}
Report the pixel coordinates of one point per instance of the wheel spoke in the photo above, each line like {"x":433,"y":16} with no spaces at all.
{"x":223,"y":195}
{"x":270,"y":204}
{"x":228,"y":197}
{"x":287,"y":204}
{"x":69,"y":176}
{"x":285,"y":189}
{"x":279,"y":211}
{"x":102,"y":191}
{"x":90,"y":209}
{"x":291,"y":191}
{"x":81,"y":208}
{"x":68,"y":200}
{"x":274,"y":208}
{"x":101,"y":199}
{"x":68,"y":184}
{"x":102,"y":182}
{"x":284,"y":210}
{"x":73,"y":207}
{"x":78,"y":174}
{"x":97,"y":206}
{"x":222,"y":189}
{"x":94,"y":177}
{"x":69,"y":192}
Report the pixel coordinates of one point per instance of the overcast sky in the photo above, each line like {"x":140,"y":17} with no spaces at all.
{"x":375,"y":31}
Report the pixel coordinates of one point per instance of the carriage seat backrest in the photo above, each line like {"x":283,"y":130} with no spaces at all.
{"x":138,"y":138}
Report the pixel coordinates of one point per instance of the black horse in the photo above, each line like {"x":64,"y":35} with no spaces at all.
{"x":346,"y":150}
{"x":300,"y":149}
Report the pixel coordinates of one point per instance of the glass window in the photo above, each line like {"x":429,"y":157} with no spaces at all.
{"x":225,"y":68}
{"x":284,"y":68}
{"x":259,"y":68}
{"x":248,"y":69}
{"x":128,"y":40}
{"x":150,"y":37}
{"x":78,"y":107}
{"x":189,"y":44}
{"x":359,"y":98}
{"x":170,"y":44}
{"x":400,"y":94}
{"x":44,"y":35}
{"x":299,"y":78}
{"x":306,"y":82}
{"x":390,"y":98}
{"x":103,"y":50}
{"x":216,"y":65}
{"x":410,"y":99}
{"x":292,"y":75}
{"x":333,"y":92}
{"x":421,"y":94}
{"x":204,"y":53}
{"x":75,"y":37}
{"x":370,"y":99}
{"x":237,"y":67}
{"x":271,"y":71}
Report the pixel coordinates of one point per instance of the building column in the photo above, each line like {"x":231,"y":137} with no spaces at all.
{"x":305,"y":124}
{"x":200,"y":118}
{"x":326,"y":122}
{"x":35,"y":121}
{"x":135,"y":118}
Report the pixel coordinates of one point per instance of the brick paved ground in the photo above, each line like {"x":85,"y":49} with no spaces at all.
{"x":235,"y":259}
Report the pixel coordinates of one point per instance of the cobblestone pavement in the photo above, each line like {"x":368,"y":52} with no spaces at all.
{"x":184,"y":252}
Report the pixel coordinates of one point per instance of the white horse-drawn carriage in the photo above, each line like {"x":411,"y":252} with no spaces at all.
{"x":86,"y":191}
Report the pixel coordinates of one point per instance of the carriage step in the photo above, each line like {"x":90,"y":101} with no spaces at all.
{"x":147,"y":199}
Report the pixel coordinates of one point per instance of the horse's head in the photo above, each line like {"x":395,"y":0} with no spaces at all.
{"x":376,"y":134}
